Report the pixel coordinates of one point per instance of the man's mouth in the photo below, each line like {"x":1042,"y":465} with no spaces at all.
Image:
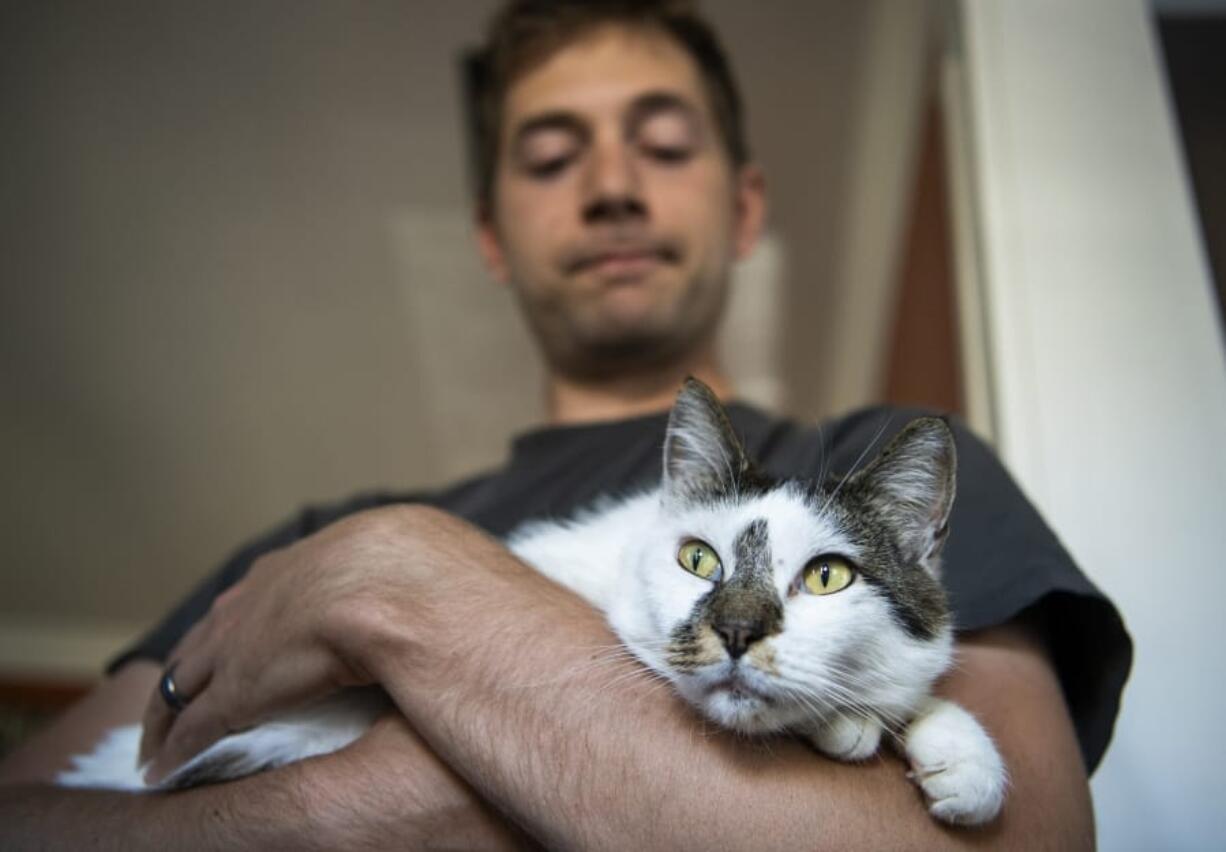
{"x":621,"y":261}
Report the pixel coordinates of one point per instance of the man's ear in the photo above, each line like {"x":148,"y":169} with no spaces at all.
{"x":750,"y":208}
{"x":490,"y":244}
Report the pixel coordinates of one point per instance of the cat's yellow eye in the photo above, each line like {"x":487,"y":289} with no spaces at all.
{"x":699,"y":559}
{"x":828,"y":574}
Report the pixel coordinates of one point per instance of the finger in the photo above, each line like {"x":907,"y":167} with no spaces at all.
{"x":154,"y":724}
{"x":197,"y":635}
{"x":194,"y":730}
{"x":158,"y":715}
{"x":191,"y":677}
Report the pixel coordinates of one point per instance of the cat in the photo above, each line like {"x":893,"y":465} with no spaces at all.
{"x":771,"y":606}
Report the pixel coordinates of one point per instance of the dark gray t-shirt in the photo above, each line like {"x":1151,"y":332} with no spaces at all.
{"x":1001,"y":560}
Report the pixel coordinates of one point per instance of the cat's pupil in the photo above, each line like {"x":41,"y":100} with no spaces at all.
{"x":696,"y":558}
{"x":825,"y":574}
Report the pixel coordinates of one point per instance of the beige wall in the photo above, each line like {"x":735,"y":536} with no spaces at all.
{"x":235,"y":268}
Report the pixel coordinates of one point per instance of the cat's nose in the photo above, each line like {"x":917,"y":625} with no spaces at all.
{"x":739,"y":634}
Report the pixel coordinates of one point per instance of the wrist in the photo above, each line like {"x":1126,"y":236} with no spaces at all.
{"x":364,"y":622}
{"x":444,"y":582}
{"x":390,"y":791}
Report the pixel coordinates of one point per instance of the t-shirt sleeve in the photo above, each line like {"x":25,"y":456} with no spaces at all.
{"x":157,"y":644}
{"x":1002,"y":562}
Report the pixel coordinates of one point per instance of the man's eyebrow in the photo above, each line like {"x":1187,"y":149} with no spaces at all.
{"x":555,"y":120}
{"x":652,"y":103}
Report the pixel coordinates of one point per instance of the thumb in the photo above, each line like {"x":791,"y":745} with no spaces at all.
{"x":199,"y":726}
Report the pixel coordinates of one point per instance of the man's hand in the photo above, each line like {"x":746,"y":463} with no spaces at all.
{"x":279,"y":638}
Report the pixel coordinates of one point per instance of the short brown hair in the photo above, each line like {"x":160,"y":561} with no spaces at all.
{"x":525,"y":33}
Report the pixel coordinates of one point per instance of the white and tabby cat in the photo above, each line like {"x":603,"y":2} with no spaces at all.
{"x":770,"y":606}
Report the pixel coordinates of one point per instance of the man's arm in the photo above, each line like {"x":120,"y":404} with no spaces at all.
{"x":520,"y":687}
{"x":388,"y":790}
{"x":501,"y":674}
{"x":118,"y":700}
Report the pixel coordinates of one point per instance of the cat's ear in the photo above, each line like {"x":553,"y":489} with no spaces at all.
{"x":911,"y":487}
{"x":702,"y":455}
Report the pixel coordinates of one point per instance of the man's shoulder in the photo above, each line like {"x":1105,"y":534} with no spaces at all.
{"x":449,"y":496}
{"x":790,"y":446}
{"x":316,"y":516}
{"x":881,"y":421}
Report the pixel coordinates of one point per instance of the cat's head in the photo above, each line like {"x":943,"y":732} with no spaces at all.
{"x":771,"y":602}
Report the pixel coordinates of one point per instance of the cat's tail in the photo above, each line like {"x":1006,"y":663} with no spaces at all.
{"x":112,"y":764}
{"x":322,"y":728}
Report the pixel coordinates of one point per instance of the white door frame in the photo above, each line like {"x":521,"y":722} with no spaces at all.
{"x":1097,"y":364}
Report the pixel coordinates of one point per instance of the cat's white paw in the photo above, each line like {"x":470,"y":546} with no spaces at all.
{"x":847,"y":738}
{"x":956,"y":764}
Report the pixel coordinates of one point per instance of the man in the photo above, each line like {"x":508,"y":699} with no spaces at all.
{"x":616,"y":193}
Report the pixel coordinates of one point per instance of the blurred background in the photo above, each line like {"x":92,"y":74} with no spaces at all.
{"x":238,"y":277}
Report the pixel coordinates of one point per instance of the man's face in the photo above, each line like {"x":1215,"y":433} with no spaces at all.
{"x":616,"y":213}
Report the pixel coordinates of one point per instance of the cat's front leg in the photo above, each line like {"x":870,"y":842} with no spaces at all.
{"x":955,"y":763}
{"x":847,"y":738}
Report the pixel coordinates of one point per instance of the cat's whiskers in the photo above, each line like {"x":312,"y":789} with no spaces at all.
{"x":856,"y":463}
{"x":823,"y":463}
{"x":630,"y":675}
{"x":855,"y":680}
{"x":622,"y":651}
{"x":836,"y":697}
{"x":646,"y":684}
{"x":633,"y":687}
{"x":873,"y":669}
{"x":827,"y":709}
{"x":955,"y":662}
{"x":849,"y":680}
{"x":627,"y":663}
{"x":627,"y":679}
{"x":616,"y":657}
{"x":816,"y":704}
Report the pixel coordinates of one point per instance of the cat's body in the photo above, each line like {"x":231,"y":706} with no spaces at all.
{"x":770,"y":607}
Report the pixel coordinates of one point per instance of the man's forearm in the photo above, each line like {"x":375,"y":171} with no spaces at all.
{"x":253,"y":815}
{"x":387,"y":791}
{"x":595,"y":755}
{"x":514,"y":682}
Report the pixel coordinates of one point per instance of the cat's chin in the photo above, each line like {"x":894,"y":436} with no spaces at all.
{"x":736,"y":703}
{"x":739,"y":711}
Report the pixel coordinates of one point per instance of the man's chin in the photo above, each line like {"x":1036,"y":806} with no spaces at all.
{"x":624,"y":300}
{"x":609,"y":355}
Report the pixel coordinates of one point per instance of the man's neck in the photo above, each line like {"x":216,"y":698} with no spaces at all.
{"x":570,"y":401}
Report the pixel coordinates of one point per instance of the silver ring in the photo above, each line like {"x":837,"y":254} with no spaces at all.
{"x":170,"y":690}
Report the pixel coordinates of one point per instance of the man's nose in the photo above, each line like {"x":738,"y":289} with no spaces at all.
{"x":613,"y":192}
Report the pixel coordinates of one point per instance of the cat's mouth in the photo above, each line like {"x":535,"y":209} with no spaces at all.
{"x":734,"y":702}
{"x":735,"y":686}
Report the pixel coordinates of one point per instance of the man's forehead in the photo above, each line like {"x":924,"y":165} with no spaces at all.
{"x":606,"y":73}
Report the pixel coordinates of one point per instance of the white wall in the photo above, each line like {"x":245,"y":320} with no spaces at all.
{"x":1106,"y":371}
